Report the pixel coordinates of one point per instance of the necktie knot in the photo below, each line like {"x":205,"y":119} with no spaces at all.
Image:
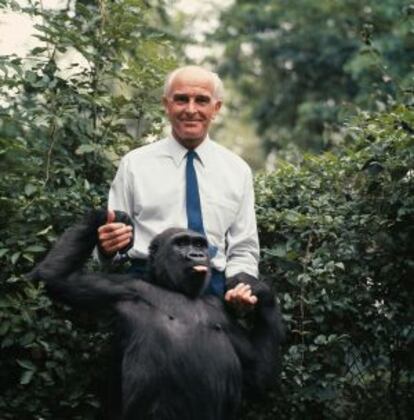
{"x":191,"y":155}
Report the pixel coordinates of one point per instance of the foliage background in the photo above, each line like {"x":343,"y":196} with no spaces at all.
{"x":62,"y":132}
{"x":336,"y":238}
{"x":326,"y":58}
{"x":336,"y":228}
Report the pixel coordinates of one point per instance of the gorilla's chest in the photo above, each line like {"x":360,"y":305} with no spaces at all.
{"x":190,"y":340}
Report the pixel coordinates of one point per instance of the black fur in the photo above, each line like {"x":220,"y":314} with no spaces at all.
{"x":180,"y":355}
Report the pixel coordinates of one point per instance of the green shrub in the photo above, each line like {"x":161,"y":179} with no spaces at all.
{"x":337,"y":242}
{"x":336,"y":233}
{"x":61,"y":135}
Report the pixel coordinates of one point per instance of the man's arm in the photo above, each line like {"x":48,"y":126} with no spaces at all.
{"x":115,"y":236}
{"x":243,"y":251}
{"x":242,"y":238}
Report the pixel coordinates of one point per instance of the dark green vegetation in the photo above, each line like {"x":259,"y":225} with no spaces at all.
{"x":304,"y":66}
{"x":59,"y":139}
{"x":337,"y":232}
{"x":337,"y":240}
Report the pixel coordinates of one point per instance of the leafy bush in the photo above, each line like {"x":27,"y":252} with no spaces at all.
{"x":337,"y":241}
{"x":62,"y":131}
{"x":303,"y":67}
{"x":336,"y":232}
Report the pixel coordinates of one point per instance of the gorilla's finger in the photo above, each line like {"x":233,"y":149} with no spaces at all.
{"x":249,"y":298}
{"x":229,"y":295}
{"x":253,"y":299}
{"x":242,"y":290}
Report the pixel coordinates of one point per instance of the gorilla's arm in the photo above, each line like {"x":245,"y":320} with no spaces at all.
{"x":92,"y":291}
{"x":61,"y":270}
{"x":259,"y":353}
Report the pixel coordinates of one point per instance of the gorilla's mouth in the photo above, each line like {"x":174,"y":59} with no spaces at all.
{"x":195,"y":280}
{"x":200,"y":268}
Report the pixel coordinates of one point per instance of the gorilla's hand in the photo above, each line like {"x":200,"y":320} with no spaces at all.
{"x":241,"y":297}
{"x":245,"y":291}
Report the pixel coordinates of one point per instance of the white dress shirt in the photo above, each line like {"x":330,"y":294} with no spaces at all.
{"x":150,"y":187}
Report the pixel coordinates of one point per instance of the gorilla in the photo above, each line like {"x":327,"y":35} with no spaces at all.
{"x":180,"y":354}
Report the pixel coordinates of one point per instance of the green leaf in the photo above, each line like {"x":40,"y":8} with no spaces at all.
{"x":340,"y":265}
{"x":38,"y":50}
{"x":4,"y":327}
{"x":27,"y":377}
{"x":26,"y":364}
{"x":85,"y":148}
{"x":15,"y":257}
{"x":35,"y":248}
{"x":29,"y":189}
{"x":27,"y":339}
{"x":45,"y":231}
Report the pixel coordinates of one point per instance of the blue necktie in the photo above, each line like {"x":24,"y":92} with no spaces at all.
{"x":194,"y":216}
{"x":195,"y":221}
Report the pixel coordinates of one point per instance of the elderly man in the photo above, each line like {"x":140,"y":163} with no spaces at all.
{"x":187,"y":180}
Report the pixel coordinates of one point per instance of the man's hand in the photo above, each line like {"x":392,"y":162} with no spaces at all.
{"x":112,"y":237}
{"x":241,"y":297}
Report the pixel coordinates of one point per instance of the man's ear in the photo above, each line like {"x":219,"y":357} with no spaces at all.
{"x":217,"y":107}
{"x":164,"y":101}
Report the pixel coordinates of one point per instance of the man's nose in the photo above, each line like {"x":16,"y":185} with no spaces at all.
{"x":191,"y":106}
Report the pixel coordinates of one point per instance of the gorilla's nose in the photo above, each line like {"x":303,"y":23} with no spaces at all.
{"x":196,"y":256}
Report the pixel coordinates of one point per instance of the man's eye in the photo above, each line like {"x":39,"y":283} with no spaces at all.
{"x":181,"y":99}
{"x":202,"y":100}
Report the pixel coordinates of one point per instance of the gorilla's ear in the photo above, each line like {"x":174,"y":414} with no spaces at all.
{"x":152,"y":250}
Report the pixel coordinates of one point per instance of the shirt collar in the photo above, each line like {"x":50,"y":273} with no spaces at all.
{"x":178,"y":152}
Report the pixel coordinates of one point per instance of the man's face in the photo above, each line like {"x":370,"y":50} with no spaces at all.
{"x":190,"y":107}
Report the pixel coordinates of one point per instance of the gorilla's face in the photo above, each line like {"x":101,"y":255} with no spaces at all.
{"x":179,"y":261}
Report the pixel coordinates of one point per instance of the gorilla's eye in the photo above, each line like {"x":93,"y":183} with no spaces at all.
{"x":200,"y":243}
{"x":182,"y":241}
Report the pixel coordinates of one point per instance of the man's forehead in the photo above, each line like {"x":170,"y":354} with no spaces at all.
{"x":191,"y":92}
{"x":192,"y":83}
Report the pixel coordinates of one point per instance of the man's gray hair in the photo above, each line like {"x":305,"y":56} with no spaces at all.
{"x":218,"y":88}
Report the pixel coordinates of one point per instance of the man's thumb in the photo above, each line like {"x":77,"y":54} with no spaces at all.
{"x":110,"y":216}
